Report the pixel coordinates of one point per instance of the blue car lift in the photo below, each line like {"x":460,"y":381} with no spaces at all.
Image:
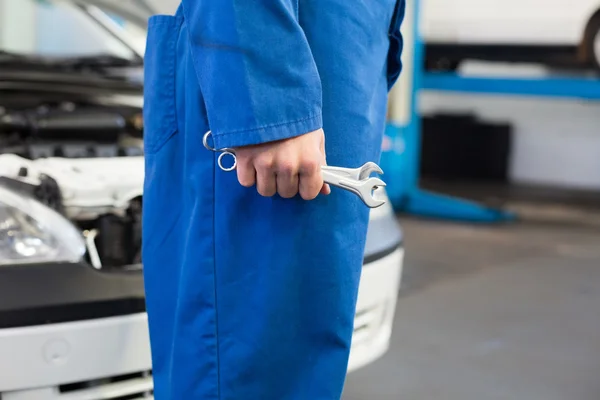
{"x":402,"y":141}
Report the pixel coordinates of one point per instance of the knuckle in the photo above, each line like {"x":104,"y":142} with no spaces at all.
{"x":310,"y":166}
{"x":286,"y":167}
{"x":264,"y":163}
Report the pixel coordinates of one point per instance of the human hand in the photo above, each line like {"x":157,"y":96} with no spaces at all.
{"x":287,"y":167}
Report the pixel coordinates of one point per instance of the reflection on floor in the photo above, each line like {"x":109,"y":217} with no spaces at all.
{"x":505,"y":312}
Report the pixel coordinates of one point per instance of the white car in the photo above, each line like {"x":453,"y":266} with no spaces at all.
{"x":552,"y":31}
{"x":72,"y":313}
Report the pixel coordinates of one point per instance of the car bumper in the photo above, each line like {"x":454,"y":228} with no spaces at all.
{"x":375,"y":309}
{"x":36,"y":360}
{"x":108,"y":357}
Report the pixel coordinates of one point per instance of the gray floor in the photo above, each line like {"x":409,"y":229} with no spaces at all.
{"x":509,"y":312}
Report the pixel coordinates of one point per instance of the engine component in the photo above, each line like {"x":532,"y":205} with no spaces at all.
{"x":87,"y":187}
{"x":119,"y":238}
{"x":99,"y":126}
{"x":85,"y":161}
{"x":10,"y":122}
{"x":71,"y":121}
{"x":48,"y":192}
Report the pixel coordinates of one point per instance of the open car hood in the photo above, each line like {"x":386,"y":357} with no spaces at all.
{"x":136,"y":11}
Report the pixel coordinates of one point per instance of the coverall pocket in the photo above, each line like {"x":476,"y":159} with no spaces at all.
{"x":160,"y":120}
{"x":394,"y":62}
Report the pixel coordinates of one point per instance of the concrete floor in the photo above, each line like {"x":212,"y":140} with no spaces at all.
{"x":506,"y":312}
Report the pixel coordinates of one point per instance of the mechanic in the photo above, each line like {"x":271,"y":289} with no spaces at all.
{"x":252,"y":277}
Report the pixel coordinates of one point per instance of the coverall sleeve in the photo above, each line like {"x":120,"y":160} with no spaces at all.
{"x":255,"y":69}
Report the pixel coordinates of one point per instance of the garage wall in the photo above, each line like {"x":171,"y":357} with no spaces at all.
{"x":164,"y":6}
{"x":556,"y":142}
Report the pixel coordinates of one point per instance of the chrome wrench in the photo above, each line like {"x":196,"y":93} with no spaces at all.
{"x":357,"y":181}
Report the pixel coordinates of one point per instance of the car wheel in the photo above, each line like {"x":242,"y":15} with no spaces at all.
{"x":441,"y":65}
{"x":596,"y":50}
{"x":592,"y":41}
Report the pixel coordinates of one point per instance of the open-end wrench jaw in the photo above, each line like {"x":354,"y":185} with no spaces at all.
{"x":348,"y":179}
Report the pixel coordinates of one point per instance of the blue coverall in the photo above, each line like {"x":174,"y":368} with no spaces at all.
{"x":249,"y":297}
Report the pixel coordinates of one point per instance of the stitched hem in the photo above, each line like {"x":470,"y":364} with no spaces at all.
{"x":268,"y":133}
{"x":268,"y":126}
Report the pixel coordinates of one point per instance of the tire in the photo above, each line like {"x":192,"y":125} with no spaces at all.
{"x":441,"y":65}
{"x":596,"y":48}
{"x":592,"y":42}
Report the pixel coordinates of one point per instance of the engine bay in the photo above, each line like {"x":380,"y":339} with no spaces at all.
{"x":83,"y":159}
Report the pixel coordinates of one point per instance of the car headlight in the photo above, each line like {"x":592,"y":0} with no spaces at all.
{"x":30,"y":232}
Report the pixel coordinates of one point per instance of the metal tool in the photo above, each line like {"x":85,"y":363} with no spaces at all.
{"x":355,"y":180}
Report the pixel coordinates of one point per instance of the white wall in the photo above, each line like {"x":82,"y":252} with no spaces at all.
{"x":555,"y":142}
{"x":164,"y":6}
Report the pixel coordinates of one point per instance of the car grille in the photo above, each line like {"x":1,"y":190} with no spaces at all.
{"x":367,"y":322}
{"x":139,"y":386}
{"x":126,"y":387}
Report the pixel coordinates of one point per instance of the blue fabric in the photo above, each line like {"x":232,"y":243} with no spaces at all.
{"x":253,"y":298}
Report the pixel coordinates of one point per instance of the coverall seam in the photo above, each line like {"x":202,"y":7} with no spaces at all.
{"x":264,"y":127}
{"x":218,"y":347}
{"x":215,"y":284}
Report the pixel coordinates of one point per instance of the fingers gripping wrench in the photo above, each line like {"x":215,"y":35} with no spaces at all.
{"x":355,"y":180}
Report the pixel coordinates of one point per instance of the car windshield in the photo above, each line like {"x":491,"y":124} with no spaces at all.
{"x":56,"y":29}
